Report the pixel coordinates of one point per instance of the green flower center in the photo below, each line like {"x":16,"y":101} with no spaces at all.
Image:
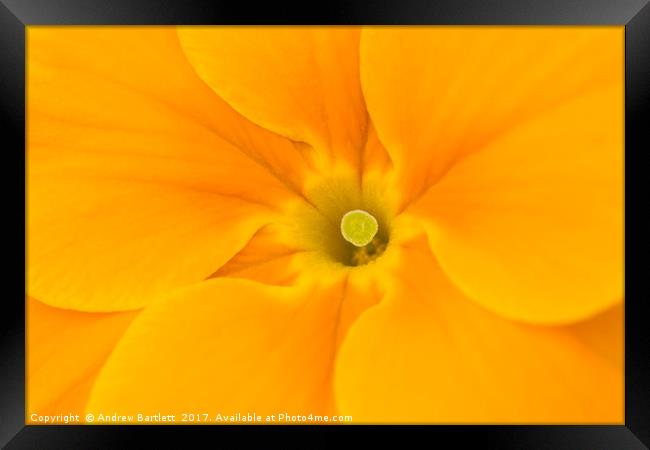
{"x":343,"y":223}
{"x":359,"y":227}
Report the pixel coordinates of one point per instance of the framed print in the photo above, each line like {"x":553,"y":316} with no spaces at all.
{"x":409,"y":219}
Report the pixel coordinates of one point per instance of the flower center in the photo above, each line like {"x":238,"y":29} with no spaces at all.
{"x":359,"y":227}
{"x":343,"y":222}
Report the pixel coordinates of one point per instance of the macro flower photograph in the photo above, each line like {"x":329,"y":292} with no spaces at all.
{"x":372,"y":225}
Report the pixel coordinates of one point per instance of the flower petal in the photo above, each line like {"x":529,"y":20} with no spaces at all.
{"x":531,"y":227}
{"x":300,"y":82}
{"x":428,"y":354}
{"x":132,"y":188}
{"x":604,"y":333}
{"x":227,"y":346}
{"x":436,"y":94}
{"x":375,"y":156}
{"x":147,"y":64}
{"x":266,"y":259}
{"x":65,"y":351}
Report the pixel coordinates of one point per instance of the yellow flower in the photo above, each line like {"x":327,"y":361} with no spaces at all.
{"x":186,"y":250}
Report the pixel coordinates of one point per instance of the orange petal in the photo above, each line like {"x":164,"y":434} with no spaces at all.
{"x":132,"y":188}
{"x":266,"y":258}
{"x":428,"y":354}
{"x":300,"y":82}
{"x":146,"y":64}
{"x":438,"y":93}
{"x":375,"y":156}
{"x":531,"y":227}
{"x":604,"y":333}
{"x":65,"y":350}
{"x":227,"y":346}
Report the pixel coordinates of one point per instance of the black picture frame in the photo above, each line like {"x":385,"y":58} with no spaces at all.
{"x":15,"y":15}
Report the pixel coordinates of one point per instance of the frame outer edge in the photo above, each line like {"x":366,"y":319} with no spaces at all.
{"x":637,"y":111}
{"x":12,"y":131}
